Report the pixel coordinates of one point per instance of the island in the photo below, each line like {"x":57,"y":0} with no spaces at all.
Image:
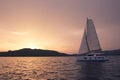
{"x":32,"y":52}
{"x":27,"y":52}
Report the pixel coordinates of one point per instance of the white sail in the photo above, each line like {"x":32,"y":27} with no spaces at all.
{"x":92,"y":38}
{"x":90,"y":42}
{"x":84,"y":45}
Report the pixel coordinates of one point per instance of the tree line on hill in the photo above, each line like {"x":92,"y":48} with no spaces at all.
{"x":39,"y":52}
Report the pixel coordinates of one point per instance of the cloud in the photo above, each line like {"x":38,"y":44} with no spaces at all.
{"x":19,"y":33}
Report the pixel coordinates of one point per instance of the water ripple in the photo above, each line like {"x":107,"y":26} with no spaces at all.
{"x":57,"y":68}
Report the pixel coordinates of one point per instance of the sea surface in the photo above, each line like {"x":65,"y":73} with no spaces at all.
{"x":58,"y":68}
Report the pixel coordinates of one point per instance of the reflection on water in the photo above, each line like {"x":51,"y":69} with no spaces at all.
{"x":57,"y":68}
{"x":91,"y":71}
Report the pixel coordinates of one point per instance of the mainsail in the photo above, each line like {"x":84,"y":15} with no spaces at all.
{"x":90,"y":42}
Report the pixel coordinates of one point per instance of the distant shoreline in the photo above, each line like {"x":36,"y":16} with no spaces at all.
{"x":26,"y":52}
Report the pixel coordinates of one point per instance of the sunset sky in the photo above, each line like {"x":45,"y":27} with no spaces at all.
{"x":57,"y":24}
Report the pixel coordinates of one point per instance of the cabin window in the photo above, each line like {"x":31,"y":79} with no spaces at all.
{"x":99,"y":57}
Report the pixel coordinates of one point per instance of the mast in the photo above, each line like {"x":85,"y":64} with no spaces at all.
{"x":86,"y":36}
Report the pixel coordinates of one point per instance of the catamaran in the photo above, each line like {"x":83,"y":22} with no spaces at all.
{"x":90,"y":45}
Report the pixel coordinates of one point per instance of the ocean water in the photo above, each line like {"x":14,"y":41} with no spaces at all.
{"x":58,"y":68}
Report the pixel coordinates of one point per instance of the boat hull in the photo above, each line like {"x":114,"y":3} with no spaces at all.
{"x":92,"y":59}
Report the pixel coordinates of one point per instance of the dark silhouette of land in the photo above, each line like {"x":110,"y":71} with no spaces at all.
{"x":39,"y":52}
{"x":111,"y":52}
{"x":32,"y":52}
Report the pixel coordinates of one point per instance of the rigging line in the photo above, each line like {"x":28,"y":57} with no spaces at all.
{"x":86,"y":37}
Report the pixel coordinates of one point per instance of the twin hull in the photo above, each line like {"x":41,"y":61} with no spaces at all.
{"x":92,"y":58}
